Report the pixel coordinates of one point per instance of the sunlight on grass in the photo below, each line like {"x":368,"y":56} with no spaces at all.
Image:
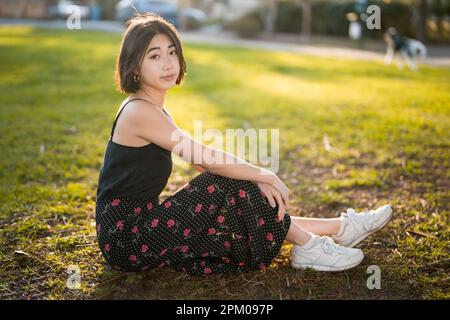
{"x":387,"y":130}
{"x":360,"y":178}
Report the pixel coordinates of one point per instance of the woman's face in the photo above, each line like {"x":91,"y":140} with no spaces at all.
{"x":160,"y":61}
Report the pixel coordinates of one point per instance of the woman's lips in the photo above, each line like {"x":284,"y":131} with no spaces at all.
{"x":169,"y":78}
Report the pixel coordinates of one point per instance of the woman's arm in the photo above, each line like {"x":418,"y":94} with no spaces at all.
{"x":151,"y":124}
{"x":234,"y":167}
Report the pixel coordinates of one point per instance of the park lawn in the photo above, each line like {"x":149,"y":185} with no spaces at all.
{"x":389,"y":136}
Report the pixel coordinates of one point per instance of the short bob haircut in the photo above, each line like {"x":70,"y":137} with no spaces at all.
{"x":140,"y":31}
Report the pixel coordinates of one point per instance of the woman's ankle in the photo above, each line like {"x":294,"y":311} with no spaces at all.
{"x":308,"y":243}
{"x":339,"y":227}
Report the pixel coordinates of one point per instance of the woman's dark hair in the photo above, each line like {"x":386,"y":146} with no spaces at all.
{"x":140,"y":31}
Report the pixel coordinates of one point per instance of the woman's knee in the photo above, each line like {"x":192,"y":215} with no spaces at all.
{"x":206,"y":178}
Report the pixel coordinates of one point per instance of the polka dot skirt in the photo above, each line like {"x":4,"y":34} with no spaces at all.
{"x":213,"y":224}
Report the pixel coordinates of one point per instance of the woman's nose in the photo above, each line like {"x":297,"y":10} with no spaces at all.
{"x":167,"y":65}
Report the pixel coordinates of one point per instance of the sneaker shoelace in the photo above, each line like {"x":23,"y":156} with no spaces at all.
{"x":330,"y":246}
{"x":364,"y":218}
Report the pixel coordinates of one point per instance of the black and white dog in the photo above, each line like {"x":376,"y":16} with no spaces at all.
{"x":408,"y":49}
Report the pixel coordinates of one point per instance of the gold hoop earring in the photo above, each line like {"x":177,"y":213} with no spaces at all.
{"x":136,"y":78}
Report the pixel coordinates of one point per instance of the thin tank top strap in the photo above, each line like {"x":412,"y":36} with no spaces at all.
{"x":120,"y":111}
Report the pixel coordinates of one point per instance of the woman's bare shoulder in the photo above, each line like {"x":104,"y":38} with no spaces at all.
{"x":138,"y":110}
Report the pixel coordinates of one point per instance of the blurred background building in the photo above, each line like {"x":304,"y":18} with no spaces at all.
{"x":427,"y":20}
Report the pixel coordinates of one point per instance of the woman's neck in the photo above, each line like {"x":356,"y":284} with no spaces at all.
{"x":154,"y":96}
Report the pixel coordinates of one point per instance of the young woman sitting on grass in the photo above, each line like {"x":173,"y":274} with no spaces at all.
{"x":231,"y":217}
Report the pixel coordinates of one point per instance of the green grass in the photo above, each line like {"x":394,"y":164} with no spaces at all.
{"x":389,"y":130}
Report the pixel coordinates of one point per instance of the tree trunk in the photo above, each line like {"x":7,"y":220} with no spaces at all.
{"x":421,"y":25}
{"x":270,"y":15}
{"x":306,"y":20}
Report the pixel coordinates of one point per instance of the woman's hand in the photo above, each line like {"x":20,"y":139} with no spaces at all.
{"x":282,"y":188}
{"x":274,"y":196}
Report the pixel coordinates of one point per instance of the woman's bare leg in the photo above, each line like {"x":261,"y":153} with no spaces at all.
{"x":296,"y":234}
{"x":320,"y":227}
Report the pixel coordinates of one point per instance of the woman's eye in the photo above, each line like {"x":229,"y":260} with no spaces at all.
{"x":155,"y":56}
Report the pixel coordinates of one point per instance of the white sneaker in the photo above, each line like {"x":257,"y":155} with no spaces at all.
{"x":322,"y":254}
{"x":356,"y":227}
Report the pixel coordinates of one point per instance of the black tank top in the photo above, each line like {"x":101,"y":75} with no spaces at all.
{"x":133,"y":172}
